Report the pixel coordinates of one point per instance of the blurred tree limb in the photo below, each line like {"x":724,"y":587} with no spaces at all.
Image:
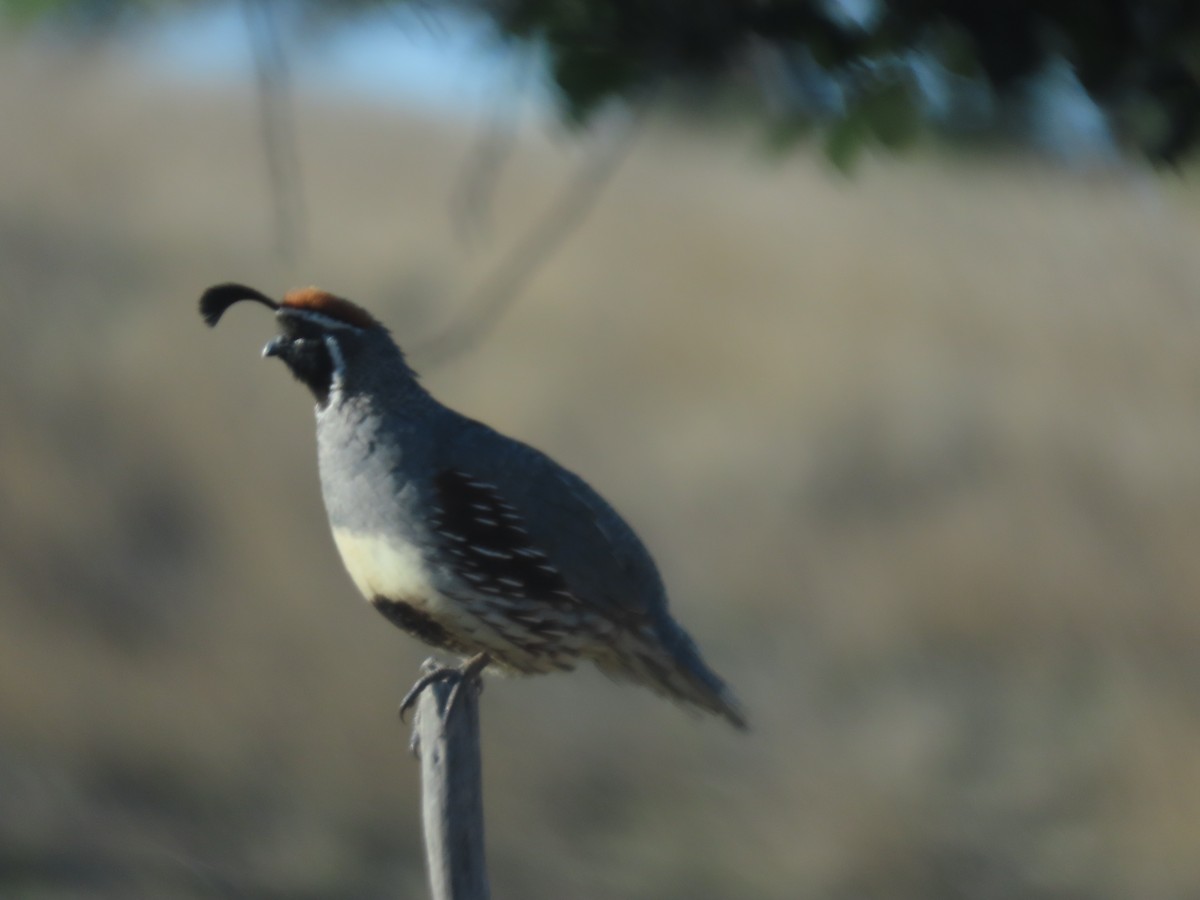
{"x":278,"y":127}
{"x":487,"y":304}
{"x":471,"y":203}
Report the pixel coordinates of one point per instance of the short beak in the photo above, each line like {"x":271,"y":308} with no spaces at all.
{"x":274,"y":347}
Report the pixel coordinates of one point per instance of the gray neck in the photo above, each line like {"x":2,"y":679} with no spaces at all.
{"x":362,"y":436}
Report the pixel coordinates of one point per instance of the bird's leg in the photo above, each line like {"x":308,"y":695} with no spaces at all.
{"x":468,"y":671}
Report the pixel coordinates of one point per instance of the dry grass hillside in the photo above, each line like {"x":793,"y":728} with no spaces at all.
{"x":918,"y":453}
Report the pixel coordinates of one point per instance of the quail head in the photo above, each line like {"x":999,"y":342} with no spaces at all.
{"x":472,"y":542}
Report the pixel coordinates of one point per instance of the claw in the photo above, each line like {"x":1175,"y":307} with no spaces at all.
{"x":468,"y":671}
{"x":442,"y":673}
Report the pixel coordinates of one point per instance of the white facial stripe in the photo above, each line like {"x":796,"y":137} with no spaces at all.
{"x":339,"y":364}
{"x":319,"y":318}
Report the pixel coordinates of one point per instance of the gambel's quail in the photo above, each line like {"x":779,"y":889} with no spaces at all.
{"x":473,"y":542}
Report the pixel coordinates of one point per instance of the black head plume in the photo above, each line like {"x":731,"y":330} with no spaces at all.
{"x":220,"y":297}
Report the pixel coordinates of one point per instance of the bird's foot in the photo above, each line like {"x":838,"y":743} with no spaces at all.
{"x":435,"y":671}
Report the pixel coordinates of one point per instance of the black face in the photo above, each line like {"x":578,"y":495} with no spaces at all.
{"x":304,"y":346}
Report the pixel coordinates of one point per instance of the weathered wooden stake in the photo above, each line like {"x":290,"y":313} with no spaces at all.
{"x":446,"y":738}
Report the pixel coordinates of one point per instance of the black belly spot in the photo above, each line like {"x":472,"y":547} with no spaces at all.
{"x":419,"y":624}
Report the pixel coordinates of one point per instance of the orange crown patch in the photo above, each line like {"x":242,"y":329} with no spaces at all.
{"x":327,"y":304}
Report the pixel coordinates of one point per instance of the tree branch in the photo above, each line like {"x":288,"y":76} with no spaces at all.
{"x":446,"y":737}
{"x":278,"y":127}
{"x":496,"y":294}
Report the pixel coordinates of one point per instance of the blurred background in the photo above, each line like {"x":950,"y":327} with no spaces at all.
{"x":916,"y":450}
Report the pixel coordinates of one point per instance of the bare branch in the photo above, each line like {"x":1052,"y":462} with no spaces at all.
{"x":471,"y":203}
{"x":489,"y":302}
{"x":277,"y":121}
{"x":446,"y":736}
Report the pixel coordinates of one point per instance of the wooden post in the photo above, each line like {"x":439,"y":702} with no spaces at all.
{"x":446,"y":738}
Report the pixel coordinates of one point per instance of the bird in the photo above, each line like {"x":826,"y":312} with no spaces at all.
{"x":473,"y":542}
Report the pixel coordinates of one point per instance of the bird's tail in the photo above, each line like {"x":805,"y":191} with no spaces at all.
{"x":666,"y":660}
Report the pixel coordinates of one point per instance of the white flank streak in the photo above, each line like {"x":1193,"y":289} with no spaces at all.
{"x":494,"y":554}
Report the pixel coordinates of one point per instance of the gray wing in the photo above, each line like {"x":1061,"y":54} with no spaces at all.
{"x":554,"y":533}
{"x":538,"y":539}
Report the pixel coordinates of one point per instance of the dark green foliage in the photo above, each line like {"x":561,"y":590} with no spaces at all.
{"x":1128,"y":55}
{"x":1138,"y":59}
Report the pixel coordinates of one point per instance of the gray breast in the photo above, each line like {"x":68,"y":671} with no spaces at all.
{"x":364,"y":468}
